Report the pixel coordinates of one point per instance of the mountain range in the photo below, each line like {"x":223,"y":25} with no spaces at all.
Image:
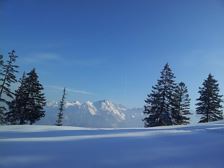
{"x":103,"y":113}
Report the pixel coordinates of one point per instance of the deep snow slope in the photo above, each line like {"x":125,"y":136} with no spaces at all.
{"x":195,"y":146}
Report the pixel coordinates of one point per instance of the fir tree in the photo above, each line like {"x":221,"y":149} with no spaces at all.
{"x":59,"y":121}
{"x":158,"y":108}
{"x":209,"y":103}
{"x":18,"y":107}
{"x":36,"y":99}
{"x":27,"y":107}
{"x":7,"y":78}
{"x":181,"y":105}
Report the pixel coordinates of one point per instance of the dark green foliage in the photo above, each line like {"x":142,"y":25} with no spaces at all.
{"x":181,"y":105}
{"x":158,"y":108}
{"x":12,"y":116}
{"x":2,"y":120}
{"x":59,"y":121}
{"x":17,"y":108}
{"x":1,"y":65}
{"x":210,"y":101}
{"x":8,"y":75}
{"x":1,"y":107}
{"x":27,"y":107}
{"x":36,"y":100}
{"x":7,"y":78}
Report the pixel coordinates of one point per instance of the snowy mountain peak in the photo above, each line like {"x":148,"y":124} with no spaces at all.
{"x":108,"y":107}
{"x":72,"y":104}
{"x":88,"y":106}
{"x":67,"y":104}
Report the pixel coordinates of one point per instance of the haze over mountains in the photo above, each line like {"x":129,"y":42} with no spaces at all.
{"x":101,"y":113}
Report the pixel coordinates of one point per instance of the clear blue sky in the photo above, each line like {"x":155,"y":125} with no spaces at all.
{"x":114,"y":49}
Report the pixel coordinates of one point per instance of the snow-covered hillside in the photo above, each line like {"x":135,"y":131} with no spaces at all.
{"x":102,"y":113}
{"x":198,"y":146}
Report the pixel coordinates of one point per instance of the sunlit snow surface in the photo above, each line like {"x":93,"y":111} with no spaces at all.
{"x":195,"y":146}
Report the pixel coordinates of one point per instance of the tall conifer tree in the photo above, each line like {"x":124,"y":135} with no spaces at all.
{"x":36,"y":99}
{"x":59,"y":121}
{"x":158,"y":108}
{"x":7,"y":78}
{"x":181,"y":105}
{"x":209,"y":104}
{"x":29,"y":102}
{"x":18,"y":107}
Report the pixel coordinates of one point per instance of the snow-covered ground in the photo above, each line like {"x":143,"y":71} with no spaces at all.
{"x":194,"y":146}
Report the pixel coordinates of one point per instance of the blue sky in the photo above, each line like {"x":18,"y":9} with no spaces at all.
{"x":114,"y":49}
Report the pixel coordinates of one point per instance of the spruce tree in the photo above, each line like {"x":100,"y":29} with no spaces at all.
{"x":209,"y":103}
{"x":7,"y":78}
{"x":36,"y":99}
{"x":181,"y":105}
{"x":158,"y":108}
{"x":59,"y":121}
{"x":27,"y":107}
{"x":18,"y":107}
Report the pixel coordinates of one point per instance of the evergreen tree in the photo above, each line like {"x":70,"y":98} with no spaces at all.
{"x":36,"y":99}
{"x":209,"y":103}
{"x":18,"y":107}
{"x":158,"y":108}
{"x":181,"y":105}
{"x":7,"y":78}
{"x":27,"y":107}
{"x":59,"y":121}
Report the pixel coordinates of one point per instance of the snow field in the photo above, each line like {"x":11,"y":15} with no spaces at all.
{"x":194,"y":146}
